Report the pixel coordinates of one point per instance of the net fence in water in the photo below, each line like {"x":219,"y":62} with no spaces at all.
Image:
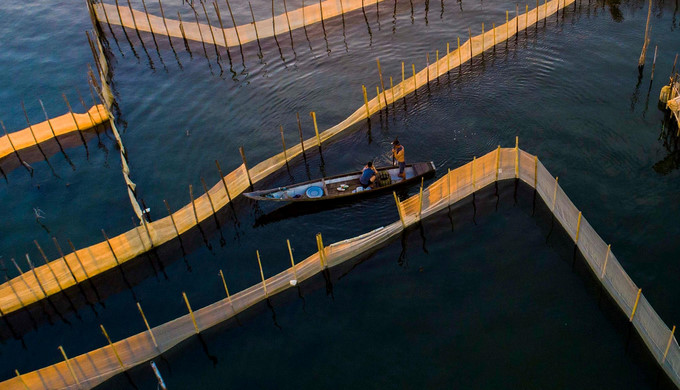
{"x":94,"y":367}
{"x":73,"y":268}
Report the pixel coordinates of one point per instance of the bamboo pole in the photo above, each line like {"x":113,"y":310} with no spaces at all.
{"x":245,"y":164}
{"x":537,"y":13}
{"x":233,"y":21}
{"x":420,"y":207}
{"x":474,"y":178}
{"x":191,"y":312}
{"x":322,"y":250}
{"x":448,"y":58}
{"x":448,"y":179}
{"x":427,"y":67}
{"x":654,"y":63}
{"x":35,"y":274}
{"x":68,"y":364}
{"x":516,"y":157}
{"x":292,"y":261}
{"x":415,"y":84}
{"x":403,"y":93}
{"x":368,"y":112}
{"x":146,"y":323}
{"x":113,"y":347}
{"x":193,"y":204}
{"x":470,"y":42}
{"x":377,"y":94}
{"x":172,"y":219}
{"x":401,"y":217}
{"x":483,"y":38}
{"x":493,"y":26}
{"x":111,"y":248}
{"x":24,"y":383}
{"x":498,"y":160}
{"x":436,"y":53}
{"x":80,"y":131}
{"x":12,"y":144}
{"x":316,"y":128}
{"x":63,"y":258}
{"x":668,"y":346}
{"x":526,"y":20}
{"x":224,"y":182}
{"x":392,"y":91}
{"x":578,"y":227}
{"x":264,"y":283}
{"x":517,"y":17}
{"x":507,"y":26}
{"x":606,"y":258}
{"x":212,"y":206}
{"x":226,"y":289}
{"x":382,"y":84}
{"x":552,"y":209}
{"x":49,"y":267}
{"x":302,"y":141}
{"x":283,"y":141}
{"x":224,"y":35}
{"x":637,"y":300}
{"x":535,"y":171}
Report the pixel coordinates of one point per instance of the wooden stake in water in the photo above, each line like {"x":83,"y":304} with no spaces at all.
{"x":460,"y":58}
{"x":653,"y":63}
{"x":637,"y":300}
{"x":292,"y":261}
{"x":172,"y":218}
{"x":437,"y":62}
{"x":68,"y":364}
{"x":641,"y":61}
{"x":24,"y":383}
{"x":146,"y":323}
{"x":401,"y":217}
{"x":302,"y":141}
{"x":113,"y":347}
{"x":493,"y":25}
{"x":377,"y":95}
{"x":224,"y":182}
{"x":470,"y":42}
{"x":382,"y":84}
{"x":193,"y":204}
{"x":264,"y":283}
{"x":322,"y":250}
{"x":483,"y":45}
{"x":415,"y":83}
{"x":578,"y":227}
{"x":316,"y":128}
{"x":448,"y":59}
{"x":283,"y":141}
{"x":245,"y":164}
{"x":420,"y":207}
{"x":427,"y":67}
{"x":191,"y":312}
{"x":668,"y":346}
{"x":368,"y":112}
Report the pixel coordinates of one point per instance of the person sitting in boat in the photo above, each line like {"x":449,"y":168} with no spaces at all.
{"x":398,"y":154}
{"x":368,"y":175}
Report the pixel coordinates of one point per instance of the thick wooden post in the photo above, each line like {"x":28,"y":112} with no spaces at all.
{"x":191,"y":312}
{"x":245,"y":163}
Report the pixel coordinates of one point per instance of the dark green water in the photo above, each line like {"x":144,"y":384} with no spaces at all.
{"x":488,"y":308}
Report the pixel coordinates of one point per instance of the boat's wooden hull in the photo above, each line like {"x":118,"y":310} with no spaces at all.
{"x":331,"y":186}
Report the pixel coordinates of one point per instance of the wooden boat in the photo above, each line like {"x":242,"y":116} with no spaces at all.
{"x":343,"y":186}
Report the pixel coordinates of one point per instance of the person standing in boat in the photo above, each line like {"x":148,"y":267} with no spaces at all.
{"x":368,"y":175}
{"x":398,"y":155}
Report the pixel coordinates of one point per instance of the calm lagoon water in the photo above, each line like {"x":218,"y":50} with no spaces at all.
{"x":489,"y":305}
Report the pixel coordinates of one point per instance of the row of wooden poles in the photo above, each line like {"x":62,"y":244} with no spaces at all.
{"x":80,"y":131}
{"x":229,"y":196}
{"x":220,"y":21}
{"x":323,"y":262}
